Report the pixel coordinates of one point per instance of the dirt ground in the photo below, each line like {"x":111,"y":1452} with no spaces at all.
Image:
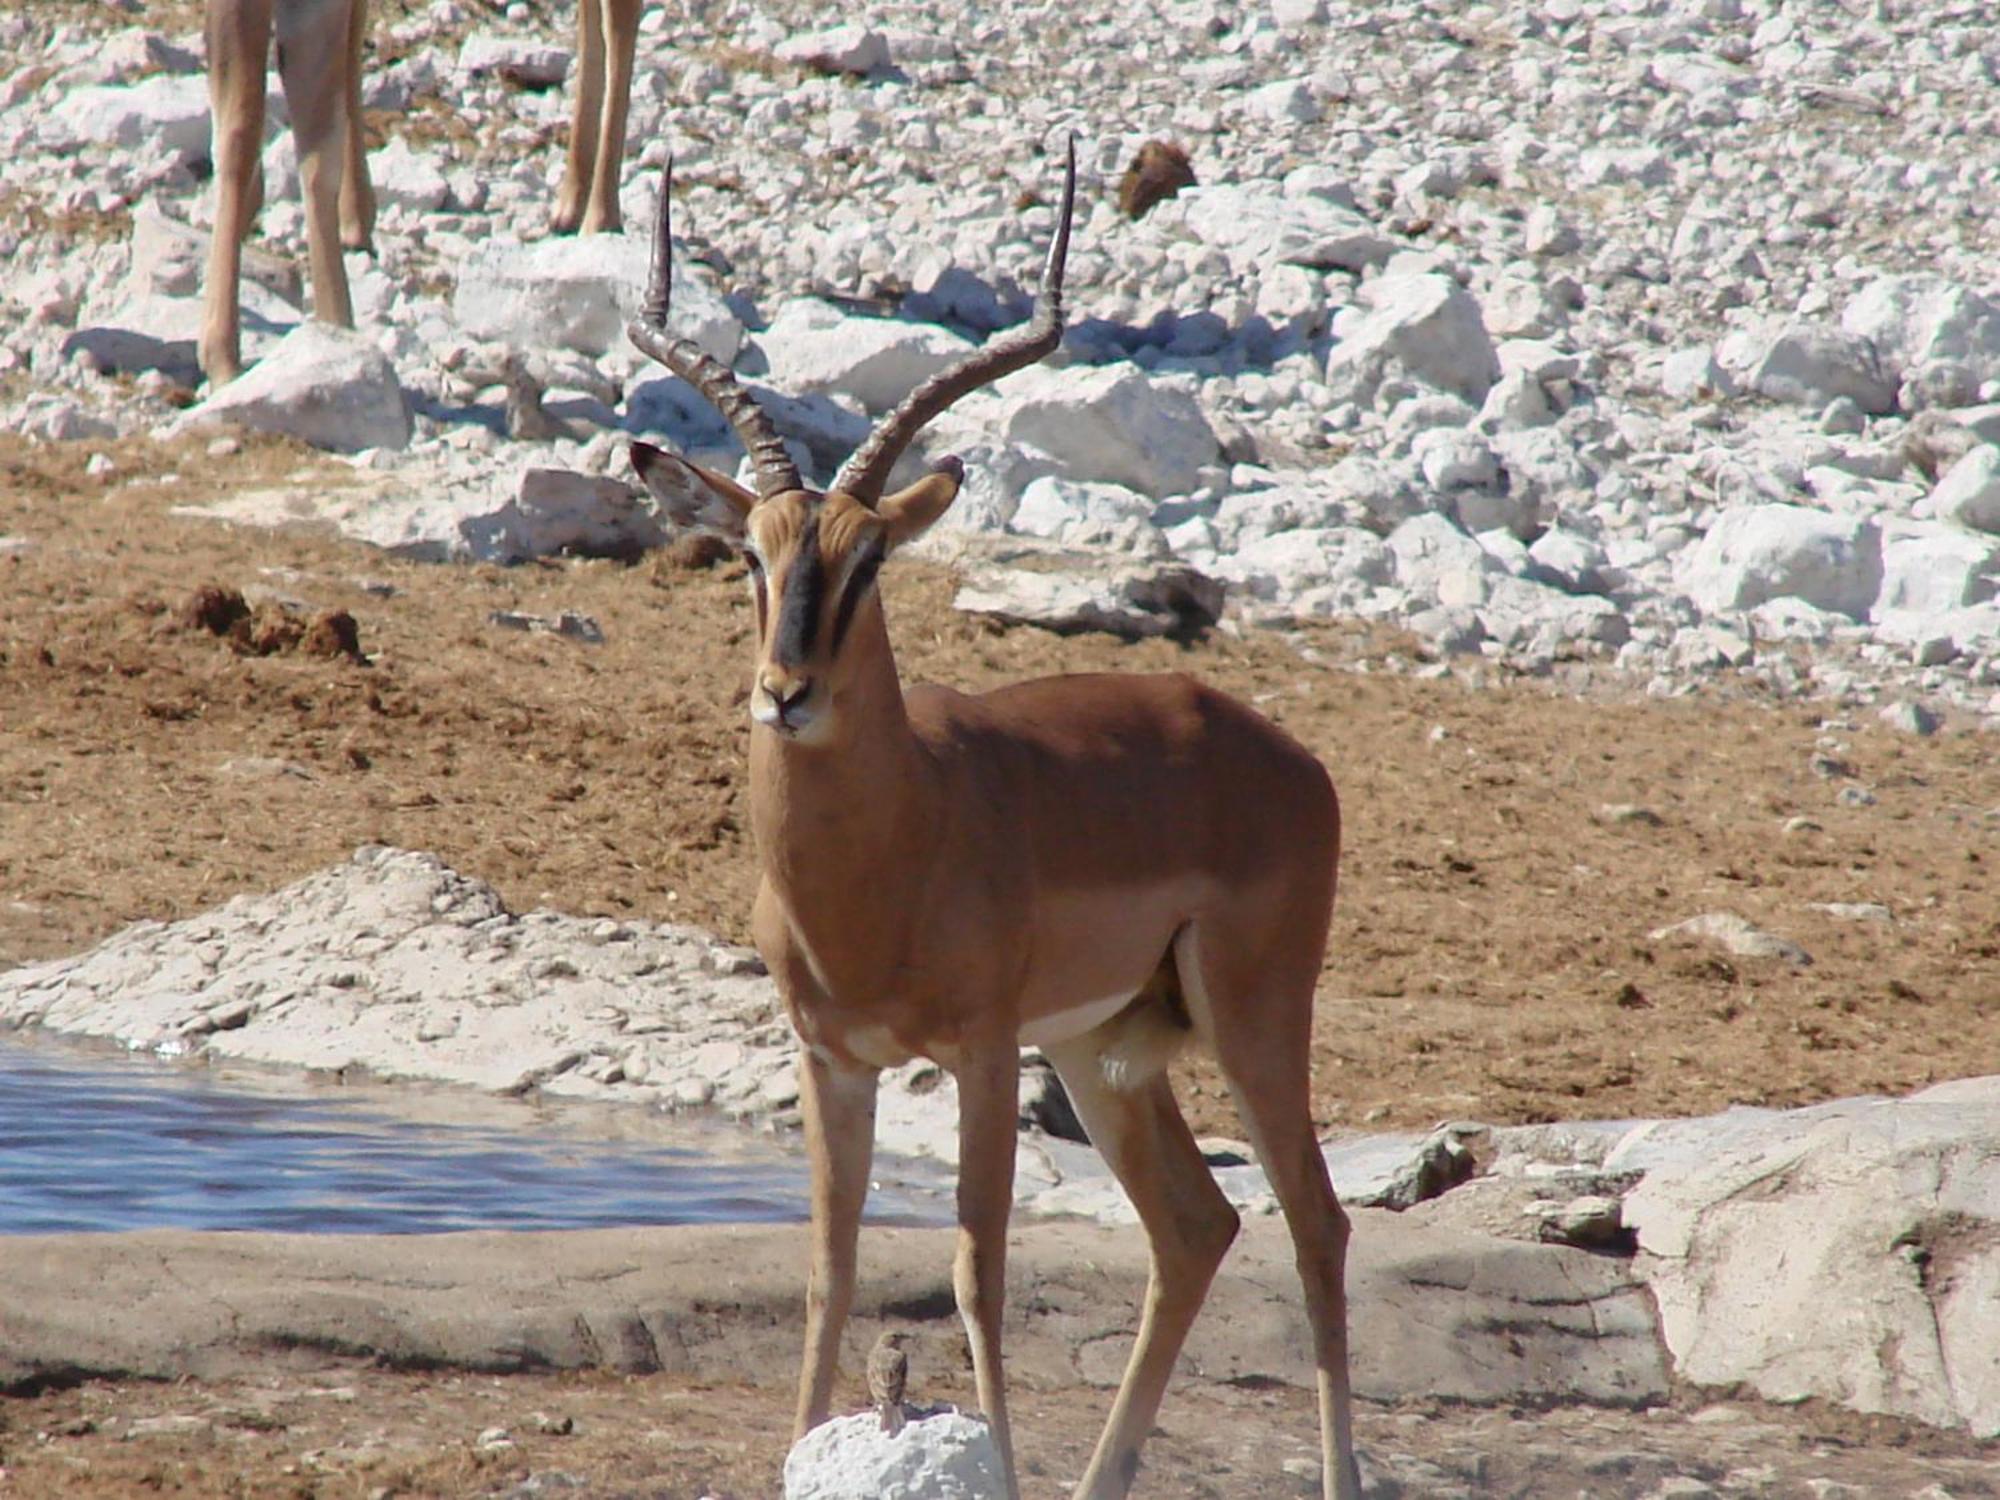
{"x":344,"y":1433}
{"x":1491,"y":955}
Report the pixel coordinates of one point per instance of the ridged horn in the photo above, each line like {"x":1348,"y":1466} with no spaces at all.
{"x":776,"y":472}
{"x":867,"y":472}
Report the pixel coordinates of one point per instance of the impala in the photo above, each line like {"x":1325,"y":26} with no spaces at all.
{"x":1103,"y":866}
{"x":319,"y":63}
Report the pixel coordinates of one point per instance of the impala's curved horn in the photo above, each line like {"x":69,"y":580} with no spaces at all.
{"x":776,"y":472}
{"x":867,"y":472}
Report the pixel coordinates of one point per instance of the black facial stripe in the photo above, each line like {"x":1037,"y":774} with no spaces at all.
{"x":798,"y":612}
{"x":858,"y":579}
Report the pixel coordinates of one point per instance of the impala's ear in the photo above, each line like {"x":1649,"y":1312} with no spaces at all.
{"x":692,"y":496}
{"x":908,"y":514}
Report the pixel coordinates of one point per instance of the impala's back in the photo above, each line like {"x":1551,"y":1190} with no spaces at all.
{"x":1133,"y":808}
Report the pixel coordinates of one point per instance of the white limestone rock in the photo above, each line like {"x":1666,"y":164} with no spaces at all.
{"x":578,"y":293}
{"x":1930,"y":569}
{"x":852,"y":49}
{"x":558,"y":512}
{"x":1969,"y":491}
{"x":1922,"y":319}
{"x":1810,"y":364}
{"x":1426,"y":327}
{"x":1257,"y":226}
{"x":813,"y":346}
{"x":528,"y":61}
{"x":168,"y":111}
{"x":1889,"y":1214}
{"x":1286,"y":101}
{"x":1129,"y":599}
{"x":1757,"y":552}
{"x":948,"y":1456}
{"x":1080,"y":513}
{"x":330,"y":387}
{"x":1696,"y":375}
{"x":1532,"y":617}
{"x":408,"y":178}
{"x":1351,"y":562}
{"x":1112,"y":423}
{"x":1439,"y":564}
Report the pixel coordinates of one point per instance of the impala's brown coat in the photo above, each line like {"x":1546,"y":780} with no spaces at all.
{"x":1103,"y":865}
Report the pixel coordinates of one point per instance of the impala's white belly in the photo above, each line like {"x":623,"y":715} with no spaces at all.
{"x":1066,"y":1025}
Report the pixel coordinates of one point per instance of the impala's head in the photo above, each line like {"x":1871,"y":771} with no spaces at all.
{"x":813,"y":556}
{"x":812,"y":560}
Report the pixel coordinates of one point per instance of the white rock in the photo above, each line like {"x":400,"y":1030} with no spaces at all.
{"x":405,"y":177}
{"x":1532,"y":617}
{"x":1927,"y":570}
{"x":578,"y":293}
{"x":330,"y":387}
{"x":559,"y":511}
{"x":1969,"y":491}
{"x":946,"y":1457}
{"x":1517,"y":401}
{"x":1757,"y":552}
{"x":1351,"y":562}
{"x":1289,"y":100}
{"x":527,"y":61}
{"x":1257,"y":226}
{"x":1426,"y":327}
{"x":1735,"y":935}
{"x":1810,"y":364}
{"x":166,"y":110}
{"x":1453,"y":458}
{"x":1567,"y":560}
{"x":1695,"y":375}
{"x":1439,"y":563}
{"x":1080,"y":513}
{"x":1863,"y":1251}
{"x":841,"y":49}
{"x":814,"y":346}
{"x":1111,"y":423}
{"x":1123,"y":598}
{"x":1916,"y":320}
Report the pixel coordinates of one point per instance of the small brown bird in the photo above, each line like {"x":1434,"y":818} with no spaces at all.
{"x":888,"y":1377}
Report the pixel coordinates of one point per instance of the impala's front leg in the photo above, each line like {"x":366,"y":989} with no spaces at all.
{"x":988,"y":1104}
{"x":838,"y":1102}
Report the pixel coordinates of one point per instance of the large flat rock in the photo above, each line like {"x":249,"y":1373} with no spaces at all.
{"x":1429,"y":1316}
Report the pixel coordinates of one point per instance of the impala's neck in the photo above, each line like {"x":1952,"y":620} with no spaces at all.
{"x":836,"y":819}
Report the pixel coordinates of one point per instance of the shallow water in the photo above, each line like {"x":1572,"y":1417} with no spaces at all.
{"x":95,"y":1138}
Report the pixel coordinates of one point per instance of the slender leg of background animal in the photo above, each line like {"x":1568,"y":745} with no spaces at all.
{"x":312,"y":56}
{"x":586,"y":106}
{"x":357,"y":193}
{"x":839,"y":1109}
{"x":1189,"y":1226}
{"x":1269,"y":1072}
{"x":239,"y":39}
{"x":988,"y":1105}
{"x":621,"y":33}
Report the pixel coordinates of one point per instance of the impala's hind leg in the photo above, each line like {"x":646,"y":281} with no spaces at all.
{"x":313,"y":43}
{"x":357,"y":192}
{"x":239,"y":37}
{"x":1253,"y":1003}
{"x":1141,"y":1133}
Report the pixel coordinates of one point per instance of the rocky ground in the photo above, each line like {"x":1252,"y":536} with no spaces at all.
{"x":1651,"y":337}
{"x":1591,"y":409}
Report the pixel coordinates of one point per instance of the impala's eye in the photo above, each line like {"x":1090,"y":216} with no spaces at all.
{"x":756,"y":566}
